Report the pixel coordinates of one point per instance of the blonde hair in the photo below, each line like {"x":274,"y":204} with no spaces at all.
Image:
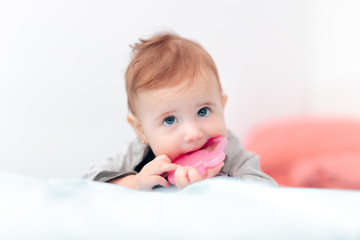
{"x":165,"y":60}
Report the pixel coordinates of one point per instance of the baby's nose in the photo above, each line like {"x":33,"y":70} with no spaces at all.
{"x":193,"y":133}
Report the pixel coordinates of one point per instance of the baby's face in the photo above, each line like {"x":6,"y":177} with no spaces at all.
{"x":181,"y":119}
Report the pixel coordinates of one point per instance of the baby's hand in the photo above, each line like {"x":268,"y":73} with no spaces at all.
{"x":185,"y":175}
{"x":150,"y":175}
{"x":212,"y":172}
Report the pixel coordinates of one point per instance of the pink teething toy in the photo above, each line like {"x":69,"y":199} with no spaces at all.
{"x":202,"y":159}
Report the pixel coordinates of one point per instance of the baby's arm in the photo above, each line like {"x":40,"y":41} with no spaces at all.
{"x":149,"y":176}
{"x":185,"y":175}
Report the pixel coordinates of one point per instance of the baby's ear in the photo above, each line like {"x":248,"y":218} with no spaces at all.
{"x":135,"y":123}
{"x":224,"y":99}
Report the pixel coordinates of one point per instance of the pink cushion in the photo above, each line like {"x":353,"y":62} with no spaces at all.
{"x":308,"y":144}
{"x":327,"y":171}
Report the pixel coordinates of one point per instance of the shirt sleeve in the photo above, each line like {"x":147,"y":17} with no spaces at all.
{"x":120,"y":164}
{"x":242,"y":164}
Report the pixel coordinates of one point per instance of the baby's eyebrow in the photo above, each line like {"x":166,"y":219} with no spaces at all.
{"x":208,"y":103}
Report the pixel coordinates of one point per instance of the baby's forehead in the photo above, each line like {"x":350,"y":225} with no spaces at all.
{"x":181,"y":81}
{"x":198,"y":88}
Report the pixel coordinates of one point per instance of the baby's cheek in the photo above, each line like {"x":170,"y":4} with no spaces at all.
{"x":167,"y":150}
{"x":219,"y":128}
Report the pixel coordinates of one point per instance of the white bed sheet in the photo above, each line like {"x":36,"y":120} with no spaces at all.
{"x":218,"y":208}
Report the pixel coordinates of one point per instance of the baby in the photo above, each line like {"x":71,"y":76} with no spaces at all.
{"x":176,"y":105}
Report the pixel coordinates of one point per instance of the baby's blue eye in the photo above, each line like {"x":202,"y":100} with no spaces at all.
{"x":203,"y":112}
{"x":168,"y":121}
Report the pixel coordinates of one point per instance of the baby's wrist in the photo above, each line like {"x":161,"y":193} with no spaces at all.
{"x":134,"y":182}
{"x":127,"y":181}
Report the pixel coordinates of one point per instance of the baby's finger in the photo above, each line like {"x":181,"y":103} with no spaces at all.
{"x":194,"y":176}
{"x":151,"y":182}
{"x":212,"y":172}
{"x":158,"y":180}
{"x":160,"y":165}
{"x":158,"y":169}
{"x":181,"y":177}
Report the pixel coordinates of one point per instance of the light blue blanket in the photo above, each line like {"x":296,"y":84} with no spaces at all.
{"x":218,"y":208}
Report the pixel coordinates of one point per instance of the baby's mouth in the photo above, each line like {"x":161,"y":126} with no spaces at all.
{"x":209,"y":145}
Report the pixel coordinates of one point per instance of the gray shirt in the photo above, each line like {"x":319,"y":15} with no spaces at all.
{"x":238,"y":162}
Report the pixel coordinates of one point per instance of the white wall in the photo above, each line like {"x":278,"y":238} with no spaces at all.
{"x":62,"y":97}
{"x":334,"y":80}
